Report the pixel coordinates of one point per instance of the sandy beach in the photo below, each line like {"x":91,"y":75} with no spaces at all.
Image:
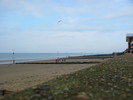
{"x":17,"y":77}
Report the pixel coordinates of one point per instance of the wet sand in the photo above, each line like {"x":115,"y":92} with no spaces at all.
{"x":17,"y":77}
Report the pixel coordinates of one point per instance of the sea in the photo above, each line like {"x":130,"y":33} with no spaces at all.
{"x":7,"y":58}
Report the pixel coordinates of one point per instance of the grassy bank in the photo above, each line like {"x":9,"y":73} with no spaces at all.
{"x":112,"y":80}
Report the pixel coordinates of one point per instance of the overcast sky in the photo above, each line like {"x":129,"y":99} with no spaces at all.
{"x":87,"y":26}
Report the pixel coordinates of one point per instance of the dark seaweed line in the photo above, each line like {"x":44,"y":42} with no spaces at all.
{"x":93,"y":57}
{"x":59,"y":63}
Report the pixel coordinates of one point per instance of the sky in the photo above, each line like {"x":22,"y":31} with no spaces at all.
{"x":67,"y":26}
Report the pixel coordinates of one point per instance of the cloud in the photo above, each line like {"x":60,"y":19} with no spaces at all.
{"x":46,"y":8}
{"x":26,"y":7}
{"x":121,"y":8}
{"x":88,"y":41}
{"x":122,"y":13}
{"x":87,"y":25}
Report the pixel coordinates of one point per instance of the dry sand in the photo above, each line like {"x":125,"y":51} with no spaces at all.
{"x":17,"y":77}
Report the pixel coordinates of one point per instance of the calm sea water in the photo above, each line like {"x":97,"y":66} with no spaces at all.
{"x":6,"y":58}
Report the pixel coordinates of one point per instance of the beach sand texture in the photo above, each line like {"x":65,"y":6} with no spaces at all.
{"x":17,"y":77}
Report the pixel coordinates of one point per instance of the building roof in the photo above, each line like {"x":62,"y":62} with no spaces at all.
{"x":129,"y":35}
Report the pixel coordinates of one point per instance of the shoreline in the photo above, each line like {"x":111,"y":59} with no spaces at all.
{"x":20,"y":60}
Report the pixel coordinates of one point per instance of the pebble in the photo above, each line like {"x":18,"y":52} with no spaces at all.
{"x":50,"y":98}
{"x":81,"y":96}
{"x":37,"y":90}
{"x":46,"y":89}
{"x":66,"y":89}
{"x":34,"y":88}
{"x":37,"y":95}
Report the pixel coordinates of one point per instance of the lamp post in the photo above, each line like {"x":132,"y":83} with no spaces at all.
{"x":13,"y":58}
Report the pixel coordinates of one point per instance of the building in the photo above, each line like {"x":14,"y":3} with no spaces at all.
{"x":129,"y":39}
